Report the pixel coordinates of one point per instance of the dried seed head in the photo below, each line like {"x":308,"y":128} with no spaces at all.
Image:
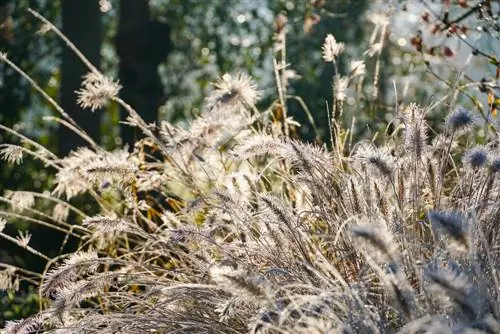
{"x":415,"y":131}
{"x":20,"y":200}
{"x":106,"y":224}
{"x":76,"y":264}
{"x":114,"y":167}
{"x":239,"y":281}
{"x":355,"y":197}
{"x":60,"y":212}
{"x":340,"y":87}
{"x":356,"y":68}
{"x":452,"y":224}
{"x":374,"y":49}
{"x":375,"y":241}
{"x":96,"y":91}
{"x":476,"y":157}
{"x":7,"y":280}
{"x":382,"y":202}
{"x":460,"y":120}
{"x":234,"y":93}
{"x":12,"y":154}
{"x":457,"y":287}
{"x":101,"y":171}
{"x":331,"y":48}
{"x":28,"y":325}
{"x":378,"y":159}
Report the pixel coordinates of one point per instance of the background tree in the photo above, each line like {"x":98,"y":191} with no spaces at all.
{"x":81,"y":23}
{"x":141,"y":44}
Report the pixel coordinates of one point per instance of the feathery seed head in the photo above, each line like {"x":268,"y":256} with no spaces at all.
{"x":239,"y":281}
{"x":332,"y":48}
{"x":106,"y":224}
{"x":456,"y":287}
{"x":376,"y":241}
{"x":12,"y":154}
{"x":357,"y":67}
{"x":460,"y":120}
{"x":115,"y":167}
{"x":60,"y":212}
{"x":476,"y":157}
{"x":340,"y":87}
{"x":378,"y":159}
{"x":96,"y":91}
{"x":374,"y":49}
{"x":69,"y":179}
{"x":6,"y":279}
{"x":415,"y":131}
{"x":104,"y":170}
{"x":452,"y":224}
{"x":76,"y":264}
{"x":20,"y":200}
{"x":412,"y":113}
{"x":234,"y":93}
{"x":29,"y":325}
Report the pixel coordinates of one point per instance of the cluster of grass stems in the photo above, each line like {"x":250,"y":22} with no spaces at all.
{"x":229,"y":225}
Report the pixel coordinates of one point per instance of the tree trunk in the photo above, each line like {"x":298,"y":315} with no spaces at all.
{"x":142,"y":44}
{"x":81,"y":23}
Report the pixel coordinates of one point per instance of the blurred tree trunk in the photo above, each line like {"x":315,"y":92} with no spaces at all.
{"x":142,"y":44}
{"x":81,"y":23}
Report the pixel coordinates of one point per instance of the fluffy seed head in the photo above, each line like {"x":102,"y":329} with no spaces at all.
{"x":476,"y":157}
{"x":106,"y":224}
{"x":356,"y":67}
{"x":28,"y":325}
{"x":341,"y":88}
{"x":452,"y":224}
{"x":374,"y":49}
{"x":20,"y":200}
{"x":96,"y":91}
{"x":375,"y":240}
{"x":60,"y":212}
{"x":378,"y":159}
{"x":415,"y":131}
{"x":331,"y":48}
{"x":460,"y":120}
{"x":233,"y":92}
{"x":12,"y":154}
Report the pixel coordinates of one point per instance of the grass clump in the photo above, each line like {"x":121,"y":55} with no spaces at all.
{"x":228,"y":225}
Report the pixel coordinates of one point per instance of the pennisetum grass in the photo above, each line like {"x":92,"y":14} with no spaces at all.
{"x":229,"y":225}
